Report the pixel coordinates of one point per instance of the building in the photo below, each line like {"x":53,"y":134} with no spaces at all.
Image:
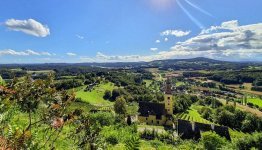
{"x":158,"y":113}
{"x":193,"y":130}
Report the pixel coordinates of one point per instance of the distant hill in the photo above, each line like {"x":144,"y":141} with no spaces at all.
{"x":176,"y":64}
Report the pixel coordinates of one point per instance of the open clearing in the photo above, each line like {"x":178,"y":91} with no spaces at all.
{"x":95,"y":97}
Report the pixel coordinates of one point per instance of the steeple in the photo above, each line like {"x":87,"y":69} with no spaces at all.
{"x":168,"y":89}
{"x":168,"y":97}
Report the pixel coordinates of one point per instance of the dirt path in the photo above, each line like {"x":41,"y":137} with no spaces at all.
{"x":244,"y":108}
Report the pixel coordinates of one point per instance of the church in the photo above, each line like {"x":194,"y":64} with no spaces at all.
{"x":158,"y":113}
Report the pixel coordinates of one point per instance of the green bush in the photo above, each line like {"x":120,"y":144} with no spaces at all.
{"x":212,"y":141}
{"x":249,"y":141}
{"x":112,"y":139}
{"x":103,"y":118}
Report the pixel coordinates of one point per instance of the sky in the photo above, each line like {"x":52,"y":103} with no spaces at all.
{"x":73,"y":31}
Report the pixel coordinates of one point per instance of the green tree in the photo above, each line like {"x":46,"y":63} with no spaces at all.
{"x":120,"y":106}
{"x":26,"y":96}
{"x":115,"y":94}
{"x":250,"y":123}
{"x":212,"y":141}
{"x":108,"y":94}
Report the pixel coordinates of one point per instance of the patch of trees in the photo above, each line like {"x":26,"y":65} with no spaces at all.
{"x":208,"y":84}
{"x":257,"y":88}
{"x":210,"y":101}
{"x":10,"y":74}
{"x":257,"y":82}
{"x":183,"y":102}
{"x":195,"y":74}
{"x":237,"y":77}
{"x":233,"y":118}
{"x":68,"y":84}
{"x":122,"y":78}
{"x":249,"y":141}
{"x":134,"y":93}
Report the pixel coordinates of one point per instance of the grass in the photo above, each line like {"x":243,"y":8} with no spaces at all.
{"x":256,"y":101}
{"x":179,"y":83}
{"x":192,"y":115}
{"x":148,"y":82}
{"x":95,"y":97}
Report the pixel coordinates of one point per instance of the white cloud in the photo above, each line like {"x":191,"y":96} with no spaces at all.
{"x":157,"y":41}
{"x":80,"y":36}
{"x":153,"y":49}
{"x":177,"y":33}
{"x":166,"y":39}
{"x":23,"y":53}
{"x":30,"y":26}
{"x":229,"y":41}
{"x":71,"y":54}
{"x":228,"y":25}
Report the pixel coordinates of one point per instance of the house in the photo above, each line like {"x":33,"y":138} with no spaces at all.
{"x":158,"y":113}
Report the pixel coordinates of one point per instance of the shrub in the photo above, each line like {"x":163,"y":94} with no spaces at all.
{"x":103,"y":118}
{"x":249,"y":141}
{"x":108,"y":94}
{"x":112,"y":139}
{"x":212,"y":141}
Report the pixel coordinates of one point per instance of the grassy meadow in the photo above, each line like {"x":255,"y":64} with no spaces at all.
{"x":95,"y":96}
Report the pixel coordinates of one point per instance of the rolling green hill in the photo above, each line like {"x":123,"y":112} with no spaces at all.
{"x":95,"y":96}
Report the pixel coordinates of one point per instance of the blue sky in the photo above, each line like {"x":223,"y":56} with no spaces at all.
{"x":34,"y":31}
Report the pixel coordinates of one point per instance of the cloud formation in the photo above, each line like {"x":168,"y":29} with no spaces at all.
{"x":157,"y":41}
{"x":70,"y":54}
{"x":228,"y":41}
{"x":80,"y":36}
{"x":154,"y":49}
{"x":11,"y":52}
{"x":30,"y":26}
{"x":177,"y":33}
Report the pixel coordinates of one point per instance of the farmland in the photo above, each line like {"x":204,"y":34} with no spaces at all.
{"x":192,"y":115}
{"x":255,"y":101}
{"x":95,"y":105}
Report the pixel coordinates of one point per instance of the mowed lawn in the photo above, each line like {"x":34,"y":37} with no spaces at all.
{"x":256,"y":101}
{"x":95,"y":97}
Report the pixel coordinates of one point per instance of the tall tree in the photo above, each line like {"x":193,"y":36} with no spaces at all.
{"x":120,"y":106}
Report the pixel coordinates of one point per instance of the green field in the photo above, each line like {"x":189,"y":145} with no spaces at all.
{"x":148,"y":82}
{"x":192,"y":115}
{"x":256,"y":101}
{"x":95,"y":97}
{"x":179,"y":83}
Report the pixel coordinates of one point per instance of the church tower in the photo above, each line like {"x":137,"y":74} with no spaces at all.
{"x":168,"y":97}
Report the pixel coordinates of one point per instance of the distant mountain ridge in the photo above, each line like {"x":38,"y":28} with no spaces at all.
{"x":192,"y":63}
